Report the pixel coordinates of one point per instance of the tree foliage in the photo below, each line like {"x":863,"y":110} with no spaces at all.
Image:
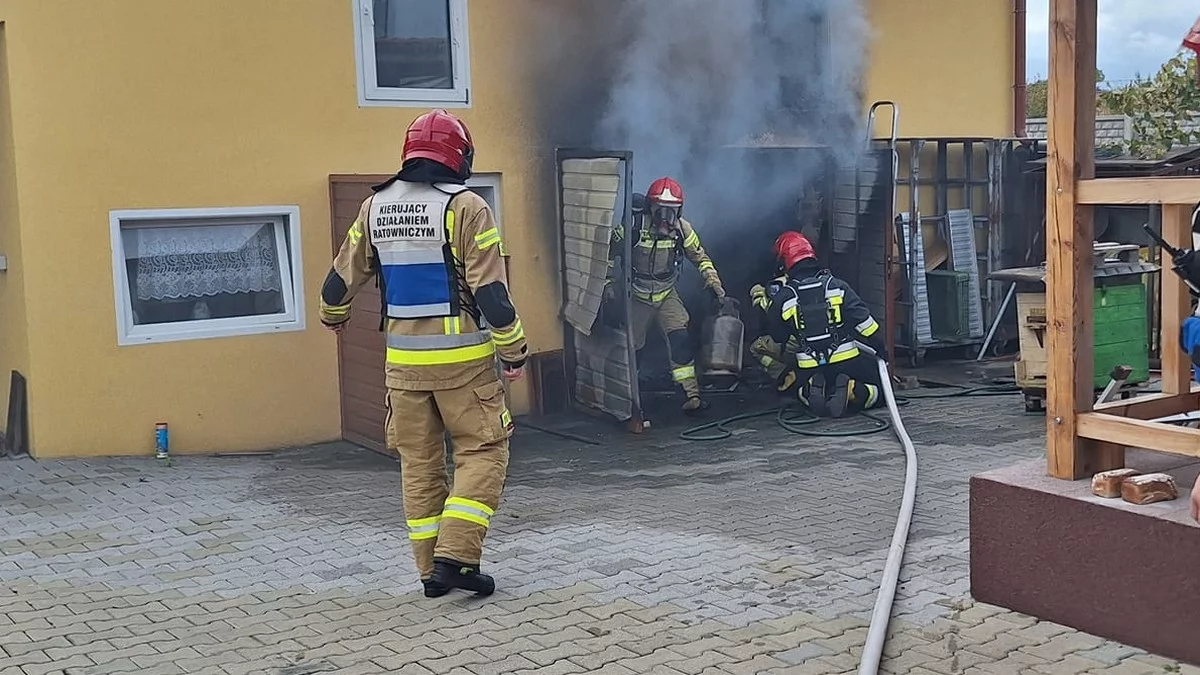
{"x":1037,"y":95}
{"x":1037,"y":99}
{"x":1161,"y":106}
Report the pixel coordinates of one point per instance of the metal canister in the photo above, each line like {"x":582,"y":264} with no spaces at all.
{"x":723,"y":352}
{"x":161,"y":440}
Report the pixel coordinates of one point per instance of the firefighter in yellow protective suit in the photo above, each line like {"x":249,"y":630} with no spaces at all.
{"x":827,"y":320}
{"x":433,"y":246}
{"x":661,"y":238}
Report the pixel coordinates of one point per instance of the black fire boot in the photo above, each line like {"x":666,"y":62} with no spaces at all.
{"x":433,"y":589}
{"x":695,"y":406}
{"x":817,"y":400}
{"x":839,"y":400}
{"x":453,"y":574}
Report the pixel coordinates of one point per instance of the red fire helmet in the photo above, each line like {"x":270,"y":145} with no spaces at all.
{"x":792,"y":247}
{"x":666,"y":191}
{"x":439,"y":136}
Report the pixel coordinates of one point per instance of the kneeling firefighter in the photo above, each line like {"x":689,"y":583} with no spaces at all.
{"x":661,"y":239}
{"x":433,"y":247}
{"x":777,"y":360}
{"x":826,"y":317}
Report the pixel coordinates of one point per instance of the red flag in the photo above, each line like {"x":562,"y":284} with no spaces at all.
{"x":1192,"y":42}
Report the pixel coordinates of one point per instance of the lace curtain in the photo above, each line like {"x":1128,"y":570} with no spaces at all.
{"x":175,"y":263}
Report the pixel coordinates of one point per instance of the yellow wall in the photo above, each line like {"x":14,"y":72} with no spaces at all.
{"x":128,"y":104}
{"x":150,"y":104}
{"x":948,"y":64}
{"x":14,"y":348}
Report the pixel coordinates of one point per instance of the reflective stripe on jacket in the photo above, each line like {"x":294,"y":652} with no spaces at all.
{"x":656,"y":260}
{"x":433,"y":352}
{"x":827,"y":330}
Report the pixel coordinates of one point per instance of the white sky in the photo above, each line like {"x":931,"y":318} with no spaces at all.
{"x":1135,"y":36}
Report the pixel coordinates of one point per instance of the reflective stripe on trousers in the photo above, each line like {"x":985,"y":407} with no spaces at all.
{"x":870,"y":390}
{"x":424,"y":528}
{"x":469,"y":510}
{"x":681,"y":373}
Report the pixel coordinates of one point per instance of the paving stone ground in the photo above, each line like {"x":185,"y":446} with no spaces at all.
{"x":756,"y":554}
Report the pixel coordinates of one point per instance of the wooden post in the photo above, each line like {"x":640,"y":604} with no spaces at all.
{"x":1176,"y":302}
{"x":1072,"y":134}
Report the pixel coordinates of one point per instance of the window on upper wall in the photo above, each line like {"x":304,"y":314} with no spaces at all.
{"x":186,"y":274}
{"x":487,"y":185}
{"x":412,"y":53}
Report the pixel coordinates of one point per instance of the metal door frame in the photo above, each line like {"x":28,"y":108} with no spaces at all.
{"x":636,"y":420}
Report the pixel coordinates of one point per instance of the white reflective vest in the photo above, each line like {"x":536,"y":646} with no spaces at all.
{"x":408,"y":229}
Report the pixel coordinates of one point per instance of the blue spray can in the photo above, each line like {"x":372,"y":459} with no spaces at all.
{"x":161,"y":440}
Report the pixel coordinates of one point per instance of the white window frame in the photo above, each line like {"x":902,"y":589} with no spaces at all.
{"x":290,"y":267}
{"x":371,"y":94}
{"x":490,"y":180}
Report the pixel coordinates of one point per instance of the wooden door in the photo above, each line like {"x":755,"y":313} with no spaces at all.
{"x":361,"y":346}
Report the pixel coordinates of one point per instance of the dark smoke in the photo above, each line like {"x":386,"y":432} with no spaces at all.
{"x":698,"y":79}
{"x":747,"y":102}
{"x":699,"y":74}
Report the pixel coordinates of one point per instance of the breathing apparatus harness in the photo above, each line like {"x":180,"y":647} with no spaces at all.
{"x":675,"y":234}
{"x":817,"y":318}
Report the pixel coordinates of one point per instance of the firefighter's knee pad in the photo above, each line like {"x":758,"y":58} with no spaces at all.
{"x":681,"y":346}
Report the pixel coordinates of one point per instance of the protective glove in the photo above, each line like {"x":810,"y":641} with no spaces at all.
{"x":758,"y":297}
{"x":511,"y":372}
{"x":785,"y":381}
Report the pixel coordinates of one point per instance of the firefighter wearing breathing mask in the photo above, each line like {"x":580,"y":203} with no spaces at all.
{"x":433,"y":246}
{"x":827,"y":319}
{"x":660,"y":243}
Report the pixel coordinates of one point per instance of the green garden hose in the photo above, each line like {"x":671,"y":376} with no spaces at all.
{"x":794,"y":417}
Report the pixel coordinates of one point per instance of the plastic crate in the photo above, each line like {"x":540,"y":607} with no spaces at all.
{"x":949,"y":304}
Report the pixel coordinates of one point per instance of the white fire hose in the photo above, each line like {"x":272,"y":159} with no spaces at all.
{"x":877,"y":632}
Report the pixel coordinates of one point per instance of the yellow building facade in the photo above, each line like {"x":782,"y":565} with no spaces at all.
{"x":122,"y":119}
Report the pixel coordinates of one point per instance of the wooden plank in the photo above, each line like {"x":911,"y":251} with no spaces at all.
{"x":1176,"y":304}
{"x":1158,"y":190}
{"x":1071,"y":144}
{"x":1150,"y":406}
{"x":1135,"y":433}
